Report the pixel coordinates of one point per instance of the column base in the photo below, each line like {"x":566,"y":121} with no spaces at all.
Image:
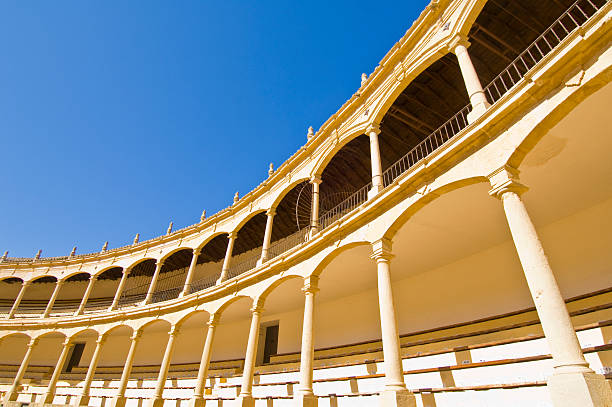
{"x":117,"y":401}
{"x":477,"y":111}
{"x":245,"y":401}
{"x":374,"y":191}
{"x":305,"y":400}
{"x":12,"y":403}
{"x":155,"y":402}
{"x":81,"y":401}
{"x":196,"y":402}
{"x":397,"y":398}
{"x":585,"y":389}
{"x":11,"y":396}
{"x":47,"y":398}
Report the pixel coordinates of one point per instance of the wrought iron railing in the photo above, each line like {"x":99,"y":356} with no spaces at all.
{"x":357,"y":198}
{"x":285,"y":244}
{"x":245,"y":264}
{"x":574,"y":17}
{"x":203,"y":283}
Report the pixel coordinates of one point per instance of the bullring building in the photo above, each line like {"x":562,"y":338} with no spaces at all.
{"x":443,"y":240}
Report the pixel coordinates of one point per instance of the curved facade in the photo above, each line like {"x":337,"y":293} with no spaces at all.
{"x":396,"y":258}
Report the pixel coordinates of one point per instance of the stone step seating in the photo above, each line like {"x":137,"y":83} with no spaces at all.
{"x":465,"y":361}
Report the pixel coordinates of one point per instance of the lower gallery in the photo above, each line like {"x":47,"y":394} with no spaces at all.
{"x":444,"y":239}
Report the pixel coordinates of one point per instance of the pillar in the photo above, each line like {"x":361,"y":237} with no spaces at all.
{"x":478,"y":99}
{"x":377,"y":182}
{"x":267,"y":236}
{"x":395,"y":393}
{"x":245,"y":398}
{"x":304,"y":395}
{"x":58,"y":285}
{"x":119,"y":291}
{"x":197,"y":400}
{"x":92,"y":280}
{"x":190,"y":273}
{"x":83,"y":398}
{"x":314,"y":207}
{"x":228,"y":256}
{"x":49,"y":393}
{"x":15,"y":306}
{"x":572,"y":382}
{"x":13,"y":392}
{"x":157,"y":400}
{"x":119,"y":399}
{"x":158,"y":266}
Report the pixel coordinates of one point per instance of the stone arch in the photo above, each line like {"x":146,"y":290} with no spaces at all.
{"x":279,"y":197}
{"x":246,"y":219}
{"x":43,"y":334}
{"x":173,"y":251}
{"x":142,"y":325}
{"x":209,"y":238}
{"x":261,"y":298}
{"x":105,"y":269}
{"x":76,"y":333}
{"x":12,"y":278}
{"x":320,"y":267}
{"x":333,"y":148}
{"x":15,"y":334}
{"x":109,"y":330}
{"x":221,"y":308}
{"x":179,"y":323}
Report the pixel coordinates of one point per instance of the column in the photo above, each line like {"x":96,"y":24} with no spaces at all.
{"x":395,"y":392}
{"x":304,"y":395}
{"x":13,"y":392}
{"x":314,"y":207}
{"x":49,"y":394}
{"x":83,"y":398}
{"x":198,"y":394}
{"x":190,"y":273}
{"x":119,"y":291}
{"x":245,"y":398}
{"x":267,"y":236}
{"x":149,"y":296}
{"x":58,"y":285}
{"x":478,"y":100}
{"x":157,"y":400}
{"x":119,"y":399}
{"x":377,"y":183}
{"x":15,"y":306}
{"x":231,"y":238}
{"x":92,"y":280}
{"x":572,"y":383}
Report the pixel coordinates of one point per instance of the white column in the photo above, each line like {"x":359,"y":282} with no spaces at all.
{"x":15,"y":306}
{"x":49,"y":394}
{"x":304,"y":395}
{"x":119,"y":291}
{"x":573,"y":383}
{"x":92,"y":281}
{"x":231,"y":238}
{"x":314,"y":207}
{"x":245,"y":398}
{"x":197,"y":400}
{"x":58,"y":285}
{"x":119,"y":399}
{"x":83,"y":399}
{"x":190,"y":273}
{"x":395,"y":392}
{"x":267,"y":236}
{"x":157,"y":400}
{"x":377,"y":182}
{"x":478,"y":99}
{"x":158,"y":266}
{"x":13,"y":392}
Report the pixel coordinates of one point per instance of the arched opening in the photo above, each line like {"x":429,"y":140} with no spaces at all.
{"x":137,"y":283}
{"x":9,"y":289}
{"x":150,"y":350}
{"x":209,"y":264}
{"x":36,"y":297}
{"x":114,"y":353}
{"x":247,"y":248}
{"x":14,"y":347}
{"x":104,"y":289}
{"x":70,"y":294}
{"x":172,"y":275}
{"x":232,"y":332}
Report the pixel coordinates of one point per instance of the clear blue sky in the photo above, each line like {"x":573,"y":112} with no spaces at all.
{"x":119,"y":116}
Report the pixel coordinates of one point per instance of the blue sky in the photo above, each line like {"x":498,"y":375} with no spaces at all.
{"x":117,"y":117}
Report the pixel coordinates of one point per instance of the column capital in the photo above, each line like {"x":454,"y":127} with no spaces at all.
{"x":257,"y":309}
{"x":67,"y":342}
{"x":214,"y":320}
{"x":60,"y":281}
{"x":271,"y":212}
{"x":373,"y":128}
{"x":26,"y":283}
{"x":381,"y":250}
{"x":33,"y":342}
{"x":197,"y":251}
{"x":232,"y":235}
{"x":93,"y":277}
{"x":311,"y":285}
{"x":127,"y":271}
{"x":505,"y":179}
{"x":101,"y":339}
{"x":174,"y":330}
{"x":136,"y":335}
{"x":315,"y":179}
{"x":458,"y":40}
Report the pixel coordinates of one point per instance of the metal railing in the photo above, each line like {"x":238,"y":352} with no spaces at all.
{"x":285,"y":244}
{"x":203,"y":283}
{"x":574,"y":17}
{"x":357,"y":198}
{"x":245,"y":264}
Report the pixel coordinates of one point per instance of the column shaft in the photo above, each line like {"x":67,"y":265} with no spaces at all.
{"x":307,"y":354}
{"x":13,"y":392}
{"x":249,"y":360}
{"x":83,"y":400}
{"x":190,"y":273}
{"x":157,"y":399}
{"x":153,"y":284}
{"x":267,"y":236}
{"x":15,"y":306}
{"x":56,"y":290}
{"x":90,"y":285}
{"x":119,"y":291}
{"x":119,"y":399}
{"x":314,"y":209}
{"x":478,"y":100}
{"x":377,"y":181}
{"x":228,"y":257}
{"x":50,"y":392}
{"x":198,"y":393}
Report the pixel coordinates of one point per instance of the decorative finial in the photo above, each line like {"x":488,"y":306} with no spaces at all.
{"x":4,"y":256}
{"x":72,"y":252}
{"x":169,"y":228}
{"x":364,"y":78}
{"x":136,"y":238}
{"x":310,"y":133}
{"x":104,"y":247}
{"x":236,"y":197}
{"x":203,"y":216}
{"x":271,"y":170}
{"x":38,"y":254}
